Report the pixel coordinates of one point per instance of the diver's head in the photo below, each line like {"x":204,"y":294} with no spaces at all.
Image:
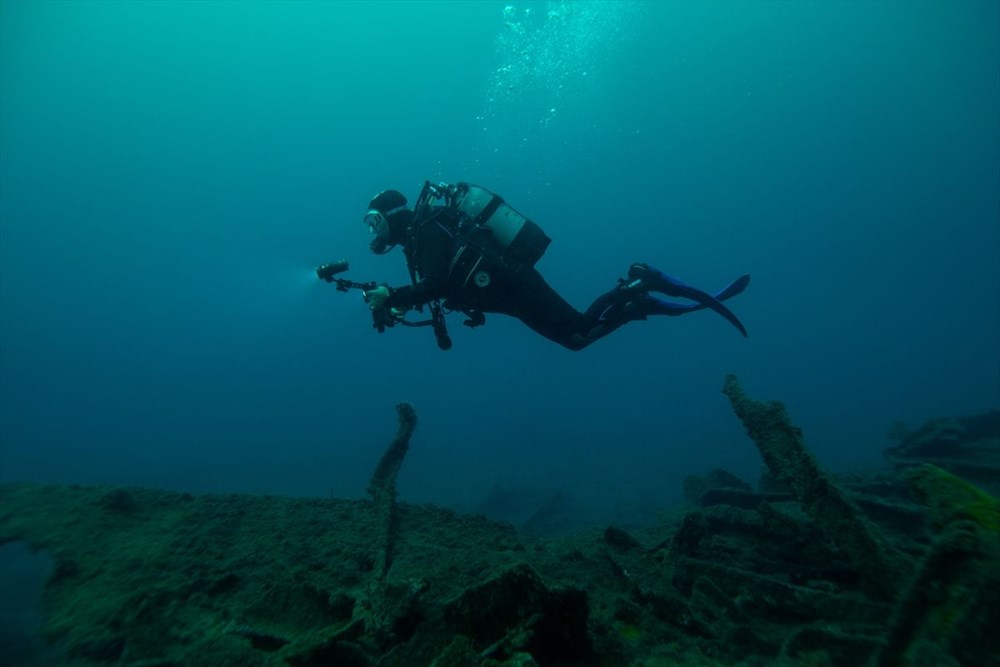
{"x":387,"y":218}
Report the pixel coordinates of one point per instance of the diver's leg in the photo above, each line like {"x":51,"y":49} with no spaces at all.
{"x":631,"y":301}
{"x":612,"y":310}
{"x":529,"y":298}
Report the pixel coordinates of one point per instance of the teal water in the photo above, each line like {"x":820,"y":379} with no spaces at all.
{"x":171,"y":173}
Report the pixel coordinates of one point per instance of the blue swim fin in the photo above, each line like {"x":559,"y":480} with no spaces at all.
{"x":657,"y":281}
{"x":728,"y":292}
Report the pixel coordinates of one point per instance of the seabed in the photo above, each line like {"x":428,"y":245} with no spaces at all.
{"x":900,"y":567}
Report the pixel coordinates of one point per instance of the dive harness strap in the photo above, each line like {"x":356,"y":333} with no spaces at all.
{"x":421,"y":210}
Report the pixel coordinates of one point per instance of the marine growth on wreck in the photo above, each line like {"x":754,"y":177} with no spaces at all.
{"x":900,"y":567}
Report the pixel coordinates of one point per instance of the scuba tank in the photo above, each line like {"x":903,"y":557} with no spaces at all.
{"x":517,"y":241}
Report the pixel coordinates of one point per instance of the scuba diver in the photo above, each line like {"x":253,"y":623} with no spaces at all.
{"x":469,"y":251}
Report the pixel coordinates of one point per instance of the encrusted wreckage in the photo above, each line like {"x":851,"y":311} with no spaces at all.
{"x":809,"y":569}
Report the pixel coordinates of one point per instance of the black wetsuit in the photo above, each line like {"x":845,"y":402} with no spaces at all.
{"x":449,"y":268}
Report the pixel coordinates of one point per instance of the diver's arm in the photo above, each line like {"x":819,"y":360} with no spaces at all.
{"x":435,"y":255}
{"x":405,"y":298}
{"x":413,"y":296}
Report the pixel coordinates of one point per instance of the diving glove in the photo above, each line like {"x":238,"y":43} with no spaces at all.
{"x":376,"y":297}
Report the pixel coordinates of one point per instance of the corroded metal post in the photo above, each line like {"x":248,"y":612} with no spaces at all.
{"x":784,"y":452}
{"x":383,"y":487}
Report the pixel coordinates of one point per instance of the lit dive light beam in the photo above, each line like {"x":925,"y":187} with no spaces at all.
{"x":291,"y":279}
{"x":295,"y":278}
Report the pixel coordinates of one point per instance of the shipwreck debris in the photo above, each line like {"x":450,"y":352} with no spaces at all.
{"x":383,"y":487}
{"x":739,"y":577}
{"x":781,"y":446}
{"x":948,"y":612}
{"x":965,"y":446}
